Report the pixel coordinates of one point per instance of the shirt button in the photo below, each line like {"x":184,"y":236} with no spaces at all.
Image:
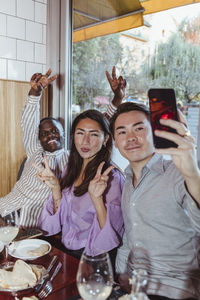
{"x":133,"y":204}
{"x":68,"y":243}
{"x":135,"y":224}
{"x":136,"y":244}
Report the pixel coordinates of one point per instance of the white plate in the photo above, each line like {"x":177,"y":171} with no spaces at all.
{"x":19,"y":249}
{"x":1,"y":246}
{"x":44,"y":275}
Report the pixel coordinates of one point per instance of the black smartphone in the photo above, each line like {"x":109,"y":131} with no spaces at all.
{"x":162,"y":104}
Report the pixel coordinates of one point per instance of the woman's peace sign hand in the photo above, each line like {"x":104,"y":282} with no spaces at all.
{"x":98,"y":184}
{"x":46,"y":175}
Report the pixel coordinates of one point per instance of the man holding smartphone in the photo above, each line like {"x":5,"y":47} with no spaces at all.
{"x":160,"y":204}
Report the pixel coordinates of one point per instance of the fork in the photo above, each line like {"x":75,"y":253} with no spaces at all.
{"x":47,"y":289}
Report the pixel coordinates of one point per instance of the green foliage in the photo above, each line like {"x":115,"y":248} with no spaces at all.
{"x":90,"y":61}
{"x":176,"y":64}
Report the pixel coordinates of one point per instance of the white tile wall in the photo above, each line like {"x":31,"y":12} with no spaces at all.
{"x":25,"y":51}
{"x":8,"y":7}
{"x":34,"y":32}
{"x":44,"y":34}
{"x":40,"y":53}
{"x":40,"y":13}
{"x":25,"y":9}
{"x":8,"y":47}
{"x":2,"y":24}
{"x":22,"y":38}
{"x":16,"y":70}
{"x":3,"y":68}
{"x":16,"y":27}
{"x":32,"y":68}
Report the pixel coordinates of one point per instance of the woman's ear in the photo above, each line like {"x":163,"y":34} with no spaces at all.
{"x":105,"y":140}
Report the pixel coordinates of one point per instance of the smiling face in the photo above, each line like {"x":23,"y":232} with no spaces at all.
{"x":51,"y":135}
{"x":88,"y":138}
{"x":133,"y":137}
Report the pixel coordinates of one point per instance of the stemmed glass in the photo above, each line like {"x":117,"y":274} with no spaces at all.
{"x":138,"y":280}
{"x":9,"y":229}
{"x":94,"y":277}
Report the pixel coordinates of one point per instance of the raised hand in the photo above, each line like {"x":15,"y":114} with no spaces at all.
{"x":46,"y":175}
{"x":118,"y":86}
{"x":184,"y":156}
{"x":98,"y":184}
{"x":39,"y":82}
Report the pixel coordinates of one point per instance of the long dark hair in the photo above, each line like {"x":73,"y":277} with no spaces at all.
{"x":75,"y":160}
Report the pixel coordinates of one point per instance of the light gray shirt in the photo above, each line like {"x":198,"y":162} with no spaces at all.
{"x":162,"y":228}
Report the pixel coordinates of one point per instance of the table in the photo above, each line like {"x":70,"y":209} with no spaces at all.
{"x":64,"y":284}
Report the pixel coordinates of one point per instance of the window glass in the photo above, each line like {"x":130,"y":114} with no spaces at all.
{"x":165,"y":52}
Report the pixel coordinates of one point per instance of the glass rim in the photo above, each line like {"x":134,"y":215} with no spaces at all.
{"x":99,"y":257}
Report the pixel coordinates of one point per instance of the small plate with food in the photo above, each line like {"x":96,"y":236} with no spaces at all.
{"x":29,"y":249}
{"x":21,"y":277}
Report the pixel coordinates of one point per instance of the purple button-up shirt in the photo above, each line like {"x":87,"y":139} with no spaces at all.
{"x":77,"y":218}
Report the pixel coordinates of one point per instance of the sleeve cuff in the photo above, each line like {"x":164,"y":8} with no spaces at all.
{"x":33,"y":99}
{"x":111,"y":109}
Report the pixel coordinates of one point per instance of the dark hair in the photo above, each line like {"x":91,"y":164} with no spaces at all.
{"x":75,"y":160}
{"x":49,"y":119}
{"x":126,"y":107}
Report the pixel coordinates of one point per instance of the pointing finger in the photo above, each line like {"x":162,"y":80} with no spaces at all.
{"x":52,"y":78}
{"x":48,"y":73}
{"x":108,"y":77}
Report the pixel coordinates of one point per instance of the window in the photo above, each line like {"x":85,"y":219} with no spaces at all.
{"x":164,"y":52}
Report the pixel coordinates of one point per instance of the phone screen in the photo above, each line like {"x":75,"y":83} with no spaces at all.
{"x":162,"y":103}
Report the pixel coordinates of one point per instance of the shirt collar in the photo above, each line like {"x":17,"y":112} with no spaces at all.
{"x":56,"y":153}
{"x":155,"y":164}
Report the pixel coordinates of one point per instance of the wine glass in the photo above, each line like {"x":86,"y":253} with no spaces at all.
{"x":138,"y":280}
{"x":94,"y":277}
{"x":9,"y":229}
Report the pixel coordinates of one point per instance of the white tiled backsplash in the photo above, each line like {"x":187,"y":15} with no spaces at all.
{"x":22,"y":38}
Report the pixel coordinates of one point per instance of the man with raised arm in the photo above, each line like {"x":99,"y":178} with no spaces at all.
{"x":41,"y":137}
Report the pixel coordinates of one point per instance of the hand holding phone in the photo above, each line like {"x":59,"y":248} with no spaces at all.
{"x":162,"y":103}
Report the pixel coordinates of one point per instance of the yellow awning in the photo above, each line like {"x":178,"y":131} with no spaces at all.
{"x":101,"y":17}
{"x":153,"y":6}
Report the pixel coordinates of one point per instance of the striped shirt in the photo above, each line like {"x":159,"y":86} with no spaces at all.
{"x":29,"y":193}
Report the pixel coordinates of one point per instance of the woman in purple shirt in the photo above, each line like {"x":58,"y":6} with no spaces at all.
{"x":86,"y":204}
